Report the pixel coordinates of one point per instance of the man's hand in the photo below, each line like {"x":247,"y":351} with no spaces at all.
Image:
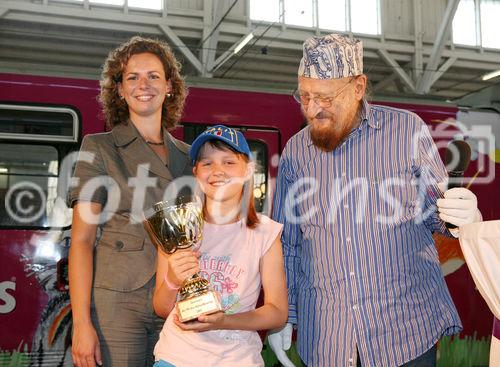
{"x":459,"y":207}
{"x":280,"y":340}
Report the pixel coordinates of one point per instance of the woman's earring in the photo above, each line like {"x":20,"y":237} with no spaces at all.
{"x":169,"y":95}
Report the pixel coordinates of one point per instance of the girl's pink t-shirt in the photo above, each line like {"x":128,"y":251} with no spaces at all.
{"x":230,"y":259}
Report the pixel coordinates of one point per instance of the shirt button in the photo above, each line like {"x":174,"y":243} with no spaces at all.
{"x":348,"y":239}
{"x":346,"y":206}
{"x":355,"y":307}
{"x":352,"y":274}
{"x":343,"y":174}
{"x":119,"y":244}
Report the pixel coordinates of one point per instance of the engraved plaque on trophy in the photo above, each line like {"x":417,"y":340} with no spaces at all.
{"x":177,"y":225}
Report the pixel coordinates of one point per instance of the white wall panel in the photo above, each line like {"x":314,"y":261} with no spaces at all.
{"x":397,"y":17}
{"x":185,"y":4}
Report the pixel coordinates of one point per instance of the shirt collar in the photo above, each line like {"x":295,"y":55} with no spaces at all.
{"x":365,"y":115}
{"x":364,"y":120}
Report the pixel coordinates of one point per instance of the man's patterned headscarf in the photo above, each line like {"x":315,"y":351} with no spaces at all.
{"x":331,"y":57}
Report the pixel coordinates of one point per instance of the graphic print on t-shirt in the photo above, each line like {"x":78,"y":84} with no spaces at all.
{"x":224,"y":278}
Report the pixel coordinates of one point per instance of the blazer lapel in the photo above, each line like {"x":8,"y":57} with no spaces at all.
{"x":135,"y":151}
{"x":178,"y":155}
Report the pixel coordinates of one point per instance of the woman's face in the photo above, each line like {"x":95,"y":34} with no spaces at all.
{"x":221,"y":173}
{"x":144,"y":85}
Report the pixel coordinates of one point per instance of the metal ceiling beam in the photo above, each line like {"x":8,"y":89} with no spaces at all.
{"x":384,"y":82}
{"x":63,"y":58}
{"x":182,"y":47}
{"x":3,"y":11}
{"x":222,"y":59}
{"x":290,"y":39}
{"x":446,"y":65}
{"x":213,"y":15}
{"x":115,"y":20}
{"x":418,"y":60}
{"x":164,"y":8}
{"x":68,"y":15}
{"x":397,"y":69}
{"x":91,"y":48}
{"x":209,"y":11}
{"x":425,"y":82}
{"x":55,"y":19}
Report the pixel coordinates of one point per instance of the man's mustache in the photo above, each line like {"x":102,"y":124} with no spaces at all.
{"x":323,"y":115}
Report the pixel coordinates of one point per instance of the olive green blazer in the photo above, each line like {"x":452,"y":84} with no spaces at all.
{"x":125,"y":258}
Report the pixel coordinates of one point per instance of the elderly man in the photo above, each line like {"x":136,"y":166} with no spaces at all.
{"x":356,"y":192}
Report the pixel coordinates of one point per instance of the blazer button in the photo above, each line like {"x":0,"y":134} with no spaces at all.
{"x":119,"y":245}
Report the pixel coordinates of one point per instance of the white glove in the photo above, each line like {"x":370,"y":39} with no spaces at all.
{"x":280,"y":340}
{"x":459,"y":207}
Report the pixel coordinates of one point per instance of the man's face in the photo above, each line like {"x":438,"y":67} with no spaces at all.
{"x":334,"y":114}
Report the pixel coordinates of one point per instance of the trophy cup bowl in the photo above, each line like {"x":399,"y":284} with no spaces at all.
{"x":177,"y":225}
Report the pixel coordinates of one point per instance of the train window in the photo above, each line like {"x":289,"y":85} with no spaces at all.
{"x":38,"y":123}
{"x":28,"y":186}
{"x":259,"y":153}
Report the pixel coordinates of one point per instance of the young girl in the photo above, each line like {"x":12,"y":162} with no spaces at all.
{"x":240,"y":251}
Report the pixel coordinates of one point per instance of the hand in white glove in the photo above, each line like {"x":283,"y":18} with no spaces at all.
{"x":459,"y":207}
{"x":280,"y":340}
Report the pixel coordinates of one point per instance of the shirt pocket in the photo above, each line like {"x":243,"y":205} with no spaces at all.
{"x":393,"y":199}
{"x":122,"y":241}
{"x":122,"y":234}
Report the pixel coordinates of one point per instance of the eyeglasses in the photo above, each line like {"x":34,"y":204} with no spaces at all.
{"x":323,"y":101}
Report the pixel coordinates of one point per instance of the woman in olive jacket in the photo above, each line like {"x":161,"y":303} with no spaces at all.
{"x":119,"y":175}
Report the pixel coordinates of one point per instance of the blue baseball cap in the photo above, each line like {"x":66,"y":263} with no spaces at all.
{"x":231,"y":137}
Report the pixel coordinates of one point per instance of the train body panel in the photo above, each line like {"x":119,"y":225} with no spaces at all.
{"x":35,"y":312}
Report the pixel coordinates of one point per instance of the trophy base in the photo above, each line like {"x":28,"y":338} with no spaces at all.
{"x":190,"y":308}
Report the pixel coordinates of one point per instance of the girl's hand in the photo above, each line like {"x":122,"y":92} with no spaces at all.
{"x":214,"y":321}
{"x":182,"y":265}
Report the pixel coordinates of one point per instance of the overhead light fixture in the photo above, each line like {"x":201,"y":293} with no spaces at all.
{"x":491,"y":75}
{"x":4,"y":170}
{"x":243,"y":42}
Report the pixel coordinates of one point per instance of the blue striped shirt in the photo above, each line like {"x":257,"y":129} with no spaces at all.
{"x":361,"y":264}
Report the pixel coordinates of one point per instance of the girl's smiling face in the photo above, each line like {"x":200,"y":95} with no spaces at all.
{"x":221,"y":173}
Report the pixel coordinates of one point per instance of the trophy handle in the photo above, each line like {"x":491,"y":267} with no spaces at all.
{"x":152,"y":236}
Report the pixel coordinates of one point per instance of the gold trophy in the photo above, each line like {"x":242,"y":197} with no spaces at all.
{"x":176,"y":225}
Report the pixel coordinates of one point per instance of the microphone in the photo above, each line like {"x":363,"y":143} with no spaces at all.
{"x":456,"y":160}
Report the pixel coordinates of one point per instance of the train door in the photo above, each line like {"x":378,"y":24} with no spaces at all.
{"x":35,"y":315}
{"x":265,"y":145}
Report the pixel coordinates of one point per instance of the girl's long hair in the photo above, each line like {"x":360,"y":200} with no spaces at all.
{"x":247,"y":210}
